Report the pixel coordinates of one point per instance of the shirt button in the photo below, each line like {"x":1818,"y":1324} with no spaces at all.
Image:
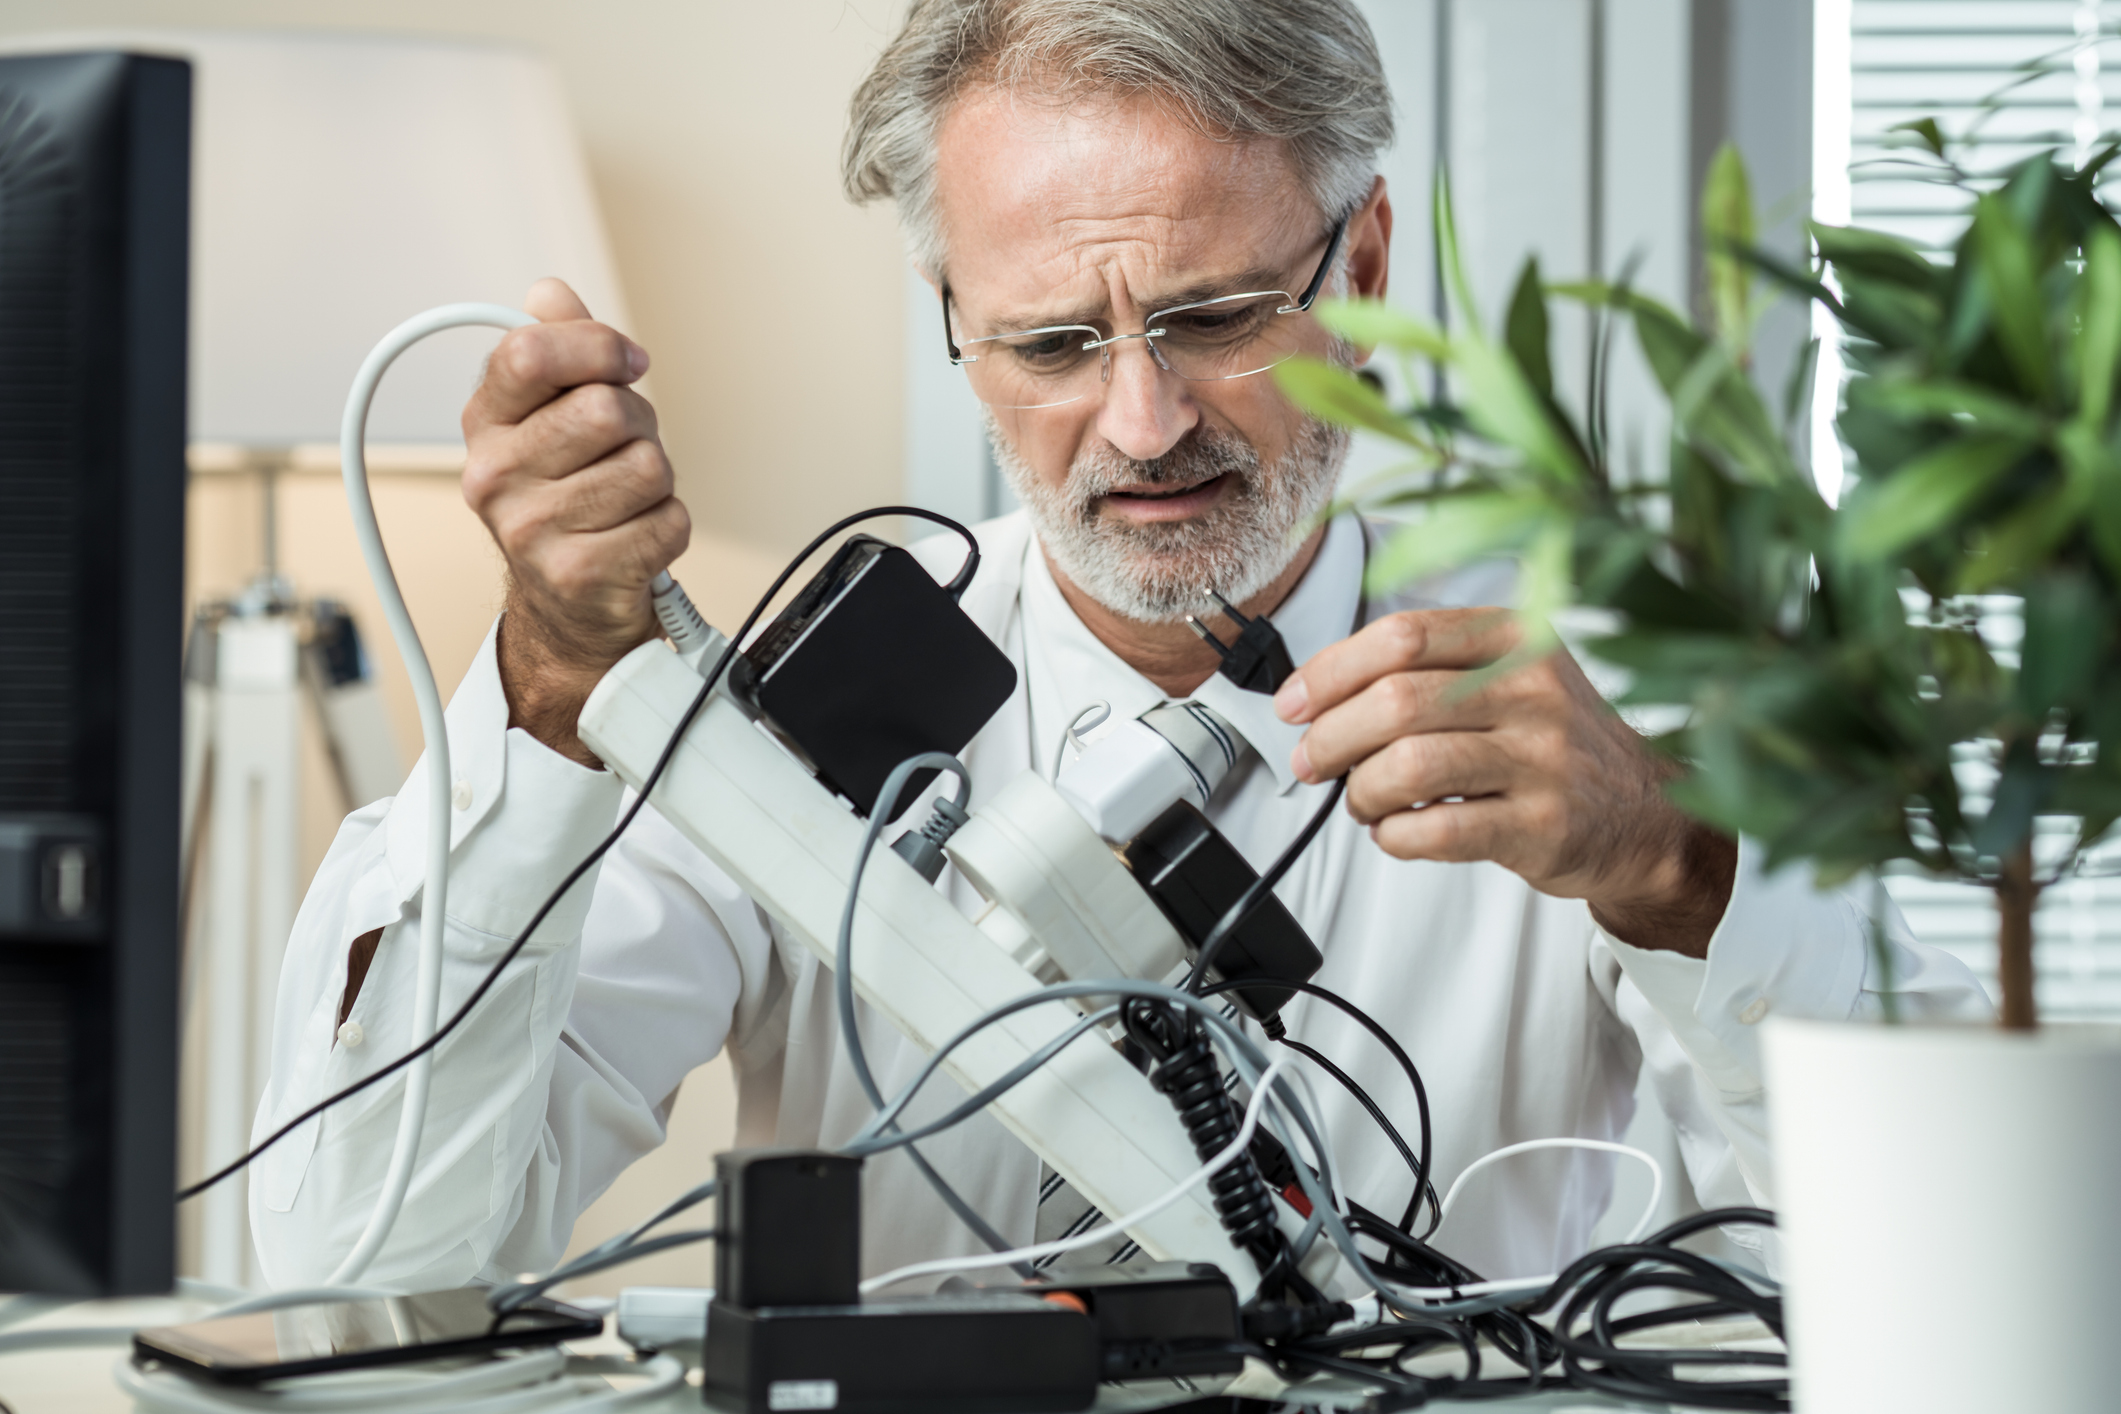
{"x":1754,"y":1010}
{"x":461,"y":796}
{"x":351,"y":1035}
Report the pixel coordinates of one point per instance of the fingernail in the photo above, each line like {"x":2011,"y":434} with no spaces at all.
{"x":1300,"y":763}
{"x":636,"y":358}
{"x":1291,"y":702}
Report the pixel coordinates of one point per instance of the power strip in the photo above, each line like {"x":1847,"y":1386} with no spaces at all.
{"x":790,"y":844}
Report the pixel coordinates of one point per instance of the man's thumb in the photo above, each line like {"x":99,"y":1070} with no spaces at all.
{"x":551,"y":301}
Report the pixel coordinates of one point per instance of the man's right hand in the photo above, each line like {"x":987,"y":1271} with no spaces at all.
{"x":566,"y":469}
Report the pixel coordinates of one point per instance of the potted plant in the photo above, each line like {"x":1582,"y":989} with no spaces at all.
{"x":1925,"y":675}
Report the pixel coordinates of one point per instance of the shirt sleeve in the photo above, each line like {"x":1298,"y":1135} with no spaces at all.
{"x":1783,"y":948}
{"x":564,"y":1071}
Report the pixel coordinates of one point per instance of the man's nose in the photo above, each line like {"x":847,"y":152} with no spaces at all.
{"x":1145,"y":409}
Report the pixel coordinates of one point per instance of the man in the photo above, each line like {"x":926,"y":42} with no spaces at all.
{"x":1508,"y":890}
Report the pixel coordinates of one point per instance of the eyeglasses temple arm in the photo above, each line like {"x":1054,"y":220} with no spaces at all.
{"x":1318,"y":278}
{"x":948,"y":342}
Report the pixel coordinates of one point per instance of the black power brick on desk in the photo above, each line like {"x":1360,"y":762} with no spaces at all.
{"x":1161,"y":1320}
{"x":870,"y":663}
{"x":789,"y":1331}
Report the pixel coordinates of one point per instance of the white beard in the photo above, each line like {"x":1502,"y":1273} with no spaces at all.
{"x":1159,"y":573}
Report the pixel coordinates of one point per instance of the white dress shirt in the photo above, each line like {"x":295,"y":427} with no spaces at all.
{"x":1525,"y":1019}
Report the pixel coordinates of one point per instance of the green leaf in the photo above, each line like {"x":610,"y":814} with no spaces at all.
{"x":1925,"y":128}
{"x":1855,"y":250}
{"x":1892,"y":314}
{"x":1887,"y":515}
{"x":2021,"y":540}
{"x":1803,"y":374}
{"x":1329,"y":391}
{"x":2099,"y":342}
{"x":1455,"y":531}
{"x":2004,"y":255}
{"x":1716,"y":405}
{"x":1525,"y":330}
{"x":2068,"y":635}
{"x":2021,"y":793}
{"x":1951,"y":399}
{"x":1375,"y":324}
{"x":1727,"y":223}
{"x":1543,"y":579}
{"x":1448,"y":263}
{"x":2106,"y":513}
{"x":1501,"y":402}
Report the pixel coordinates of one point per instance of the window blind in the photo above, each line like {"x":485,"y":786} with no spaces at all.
{"x":2010,"y":78}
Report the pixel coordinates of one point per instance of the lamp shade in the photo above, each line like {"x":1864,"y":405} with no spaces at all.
{"x":344,"y":182}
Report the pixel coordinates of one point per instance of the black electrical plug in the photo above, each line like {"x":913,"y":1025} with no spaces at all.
{"x":1265,"y":1321}
{"x":1258,"y":661}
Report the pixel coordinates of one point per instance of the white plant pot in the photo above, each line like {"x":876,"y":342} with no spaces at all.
{"x":1950,"y":1208}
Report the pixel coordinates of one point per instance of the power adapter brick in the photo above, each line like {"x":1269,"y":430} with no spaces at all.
{"x":870,"y":663}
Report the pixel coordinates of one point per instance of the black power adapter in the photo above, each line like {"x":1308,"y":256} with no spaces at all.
{"x":788,"y":1228}
{"x":870,"y":663}
{"x":999,"y":1353}
{"x":788,"y":1328}
{"x":1196,"y":876}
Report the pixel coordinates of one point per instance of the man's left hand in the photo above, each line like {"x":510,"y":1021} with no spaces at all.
{"x":1532,"y":769}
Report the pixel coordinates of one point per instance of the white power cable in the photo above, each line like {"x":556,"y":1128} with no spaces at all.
{"x":1486,"y":1288}
{"x":1095,"y":1235}
{"x":1606,"y":1146}
{"x":533,"y":1382}
{"x":427,"y":996}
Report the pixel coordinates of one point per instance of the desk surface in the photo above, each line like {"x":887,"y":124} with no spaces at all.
{"x":78,"y":1381}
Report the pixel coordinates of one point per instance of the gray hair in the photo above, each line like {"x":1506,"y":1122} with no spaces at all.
{"x":1305,"y":72}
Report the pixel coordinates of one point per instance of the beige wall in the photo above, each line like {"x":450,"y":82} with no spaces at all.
{"x":712,"y":130}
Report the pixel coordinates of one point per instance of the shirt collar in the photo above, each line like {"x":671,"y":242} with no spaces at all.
{"x":1079,"y":669}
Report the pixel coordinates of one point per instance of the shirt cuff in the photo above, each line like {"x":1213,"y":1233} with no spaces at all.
{"x":1783,"y":947}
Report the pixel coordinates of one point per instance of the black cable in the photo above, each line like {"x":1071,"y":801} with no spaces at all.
{"x":956,"y":588}
{"x":1186,"y":1072}
{"x":1593,"y":1285}
{"x":1362,"y":1097}
{"x":1424,"y":1185}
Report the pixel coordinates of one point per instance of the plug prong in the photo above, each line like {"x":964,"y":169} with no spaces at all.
{"x":1229,"y":609}
{"x":1221,"y":648}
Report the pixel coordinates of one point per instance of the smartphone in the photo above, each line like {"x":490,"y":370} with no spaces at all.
{"x":348,"y":1335}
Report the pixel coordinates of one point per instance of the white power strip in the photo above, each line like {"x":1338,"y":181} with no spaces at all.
{"x":791,"y":845}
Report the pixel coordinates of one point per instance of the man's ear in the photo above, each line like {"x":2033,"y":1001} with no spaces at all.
{"x":1370,"y":244}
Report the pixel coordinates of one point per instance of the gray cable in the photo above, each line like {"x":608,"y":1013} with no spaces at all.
{"x":620,"y":1248}
{"x":872,"y":1141}
{"x":843,"y":980}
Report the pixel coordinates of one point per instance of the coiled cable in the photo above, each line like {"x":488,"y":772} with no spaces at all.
{"x":1188,"y":1074}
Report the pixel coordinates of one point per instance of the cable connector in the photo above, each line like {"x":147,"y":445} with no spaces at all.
{"x":1258,"y":661}
{"x":1265,"y":1321}
{"x":697,"y":642}
{"x":923,"y":848}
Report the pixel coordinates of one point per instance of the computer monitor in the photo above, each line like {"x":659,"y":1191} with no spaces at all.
{"x":95,"y":153}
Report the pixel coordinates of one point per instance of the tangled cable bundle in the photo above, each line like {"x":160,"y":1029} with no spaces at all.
{"x":1585,"y":1337}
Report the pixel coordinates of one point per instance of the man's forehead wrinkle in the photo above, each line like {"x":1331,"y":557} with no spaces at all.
{"x":1057,"y":213}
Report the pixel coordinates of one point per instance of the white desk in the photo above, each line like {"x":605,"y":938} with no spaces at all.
{"x":77,"y":1381}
